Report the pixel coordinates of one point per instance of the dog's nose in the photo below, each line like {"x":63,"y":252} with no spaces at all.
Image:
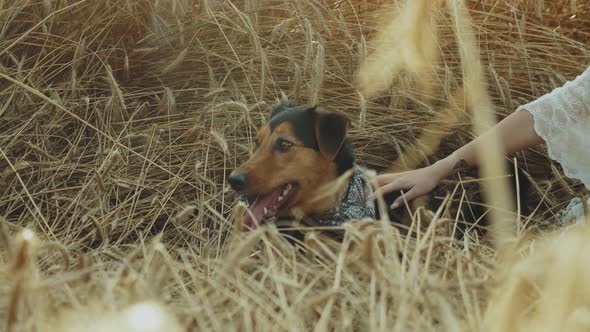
{"x":237,"y":181}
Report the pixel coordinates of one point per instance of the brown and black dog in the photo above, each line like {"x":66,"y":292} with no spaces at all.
{"x":300,"y":152}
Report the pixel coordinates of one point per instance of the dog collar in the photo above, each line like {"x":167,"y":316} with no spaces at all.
{"x":356,"y":204}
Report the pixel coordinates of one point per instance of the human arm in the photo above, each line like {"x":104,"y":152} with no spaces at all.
{"x":561,"y":119}
{"x":516,"y":132}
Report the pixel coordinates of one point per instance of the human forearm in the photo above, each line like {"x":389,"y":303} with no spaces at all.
{"x":515,"y":133}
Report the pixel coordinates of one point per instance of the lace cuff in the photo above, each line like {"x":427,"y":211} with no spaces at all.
{"x":562,"y":120}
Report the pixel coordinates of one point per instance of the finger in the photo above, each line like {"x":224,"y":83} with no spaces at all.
{"x":393,"y":186}
{"x":384,"y":179}
{"x":405,"y":197}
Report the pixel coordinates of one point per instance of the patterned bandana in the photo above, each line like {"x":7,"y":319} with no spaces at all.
{"x":356,"y":203}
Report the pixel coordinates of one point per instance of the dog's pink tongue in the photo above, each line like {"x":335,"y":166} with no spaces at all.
{"x":256,"y":215}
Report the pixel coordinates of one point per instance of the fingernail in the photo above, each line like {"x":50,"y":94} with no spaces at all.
{"x":394,"y":206}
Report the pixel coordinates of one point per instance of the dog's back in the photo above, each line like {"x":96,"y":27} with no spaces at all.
{"x":472,"y":212}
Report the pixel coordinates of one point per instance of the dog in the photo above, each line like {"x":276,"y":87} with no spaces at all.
{"x":303,"y":152}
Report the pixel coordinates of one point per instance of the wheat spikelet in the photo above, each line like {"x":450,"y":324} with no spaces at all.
{"x":408,"y":43}
{"x":178,"y":89}
{"x":119,"y":107}
{"x":220,"y":140}
{"x":185,"y":213}
{"x":23,"y":274}
{"x":545,"y":290}
{"x":432,"y":134}
{"x":169,"y":102}
{"x":489,"y":154}
{"x":113,"y":158}
{"x":317,"y":74}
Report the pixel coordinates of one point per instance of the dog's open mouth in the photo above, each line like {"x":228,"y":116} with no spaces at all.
{"x":267,"y":206}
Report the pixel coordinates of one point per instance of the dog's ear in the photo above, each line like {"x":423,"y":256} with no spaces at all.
{"x":330,"y":132}
{"x":283,"y":106}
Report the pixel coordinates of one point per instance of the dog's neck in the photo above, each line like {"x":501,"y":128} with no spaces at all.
{"x":352,"y":193}
{"x":325,"y":198}
{"x":329,"y":194}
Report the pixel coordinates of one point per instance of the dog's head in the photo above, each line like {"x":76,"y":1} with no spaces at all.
{"x":299,"y":150}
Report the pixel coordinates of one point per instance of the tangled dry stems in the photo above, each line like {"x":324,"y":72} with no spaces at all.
{"x":120,"y":120}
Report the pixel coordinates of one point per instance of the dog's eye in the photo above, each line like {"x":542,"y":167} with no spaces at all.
{"x":283,"y":145}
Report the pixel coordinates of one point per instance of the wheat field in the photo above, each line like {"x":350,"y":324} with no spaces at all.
{"x":120,"y":120}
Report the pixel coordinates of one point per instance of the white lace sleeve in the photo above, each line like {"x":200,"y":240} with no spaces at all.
{"x":562,"y":120}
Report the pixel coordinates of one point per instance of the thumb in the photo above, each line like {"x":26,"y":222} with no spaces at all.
{"x":409,"y":196}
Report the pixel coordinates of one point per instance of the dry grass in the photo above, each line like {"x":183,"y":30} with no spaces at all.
{"x":120,"y":119}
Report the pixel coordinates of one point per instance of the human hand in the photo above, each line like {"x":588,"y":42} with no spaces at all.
{"x":418,"y":182}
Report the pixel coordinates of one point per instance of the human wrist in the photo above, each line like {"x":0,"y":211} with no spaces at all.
{"x":444,"y":167}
